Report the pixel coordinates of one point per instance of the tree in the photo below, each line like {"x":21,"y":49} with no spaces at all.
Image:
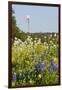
{"x":16,"y":32}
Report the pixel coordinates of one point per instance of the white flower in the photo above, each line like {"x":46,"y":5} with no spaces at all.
{"x":45,"y":43}
{"x":47,"y":47}
{"x":16,"y":42}
{"x":14,"y":73}
{"x":19,"y":40}
{"x":31,"y":39}
{"x":15,"y":38}
{"x":54,"y":45}
{"x":25,"y":42}
{"x":35,"y":38}
{"x":55,"y":34}
{"x":45,"y":37}
{"x":35,"y":41}
{"x":29,"y":36}
{"x":31,"y":43}
{"x":51,"y":35}
{"x":21,"y":49}
{"x":39,"y":41}
{"x":51,"y":42}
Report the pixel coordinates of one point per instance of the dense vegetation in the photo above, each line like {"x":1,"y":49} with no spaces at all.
{"x":34,"y":57}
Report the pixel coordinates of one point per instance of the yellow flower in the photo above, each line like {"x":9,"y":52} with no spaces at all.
{"x":30,"y":81}
{"x":56,"y":60}
{"x":39,"y":76}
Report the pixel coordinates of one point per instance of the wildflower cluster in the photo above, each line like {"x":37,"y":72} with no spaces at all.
{"x":34,"y":62}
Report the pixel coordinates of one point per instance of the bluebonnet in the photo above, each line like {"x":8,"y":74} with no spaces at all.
{"x":14,"y":77}
{"x":56,"y":67}
{"x":51,"y":69}
{"x":51,"y":66}
{"x":42,"y":68}
{"x":36,"y":65}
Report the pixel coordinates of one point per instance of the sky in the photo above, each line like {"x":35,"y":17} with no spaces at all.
{"x":42,"y":18}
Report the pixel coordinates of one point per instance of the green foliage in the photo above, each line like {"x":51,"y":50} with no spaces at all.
{"x":23,"y":54}
{"x":16,"y":31}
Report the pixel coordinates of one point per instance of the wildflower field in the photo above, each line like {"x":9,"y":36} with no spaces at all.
{"x":35,"y":62}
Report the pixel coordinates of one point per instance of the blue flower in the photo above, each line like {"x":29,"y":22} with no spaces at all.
{"x":51,"y":66}
{"x":14,"y":77}
{"x":56,"y":67}
{"x":52,"y":62}
{"x":42,"y":66}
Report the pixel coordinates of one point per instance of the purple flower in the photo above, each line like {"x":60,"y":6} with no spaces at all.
{"x":42,"y":66}
{"x":52,"y":62}
{"x":14,"y":77}
{"x":51,"y":69}
{"x":34,"y":60}
{"x":56,"y":67}
{"x":51,"y":66}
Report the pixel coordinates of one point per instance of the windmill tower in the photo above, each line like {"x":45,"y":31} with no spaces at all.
{"x":28,"y":23}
